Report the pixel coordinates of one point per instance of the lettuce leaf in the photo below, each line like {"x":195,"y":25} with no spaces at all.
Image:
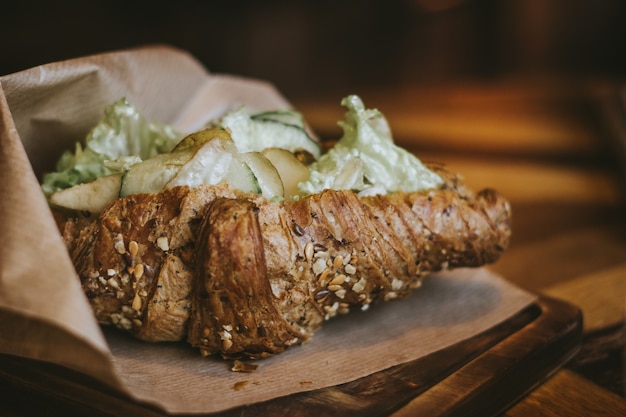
{"x":122,"y":138}
{"x":366,"y":160}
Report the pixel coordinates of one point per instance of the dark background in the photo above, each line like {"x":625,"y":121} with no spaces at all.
{"x":307,"y":48}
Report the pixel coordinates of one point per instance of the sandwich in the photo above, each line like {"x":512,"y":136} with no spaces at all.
{"x":245,"y":237}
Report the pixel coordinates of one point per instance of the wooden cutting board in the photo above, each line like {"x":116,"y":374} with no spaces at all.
{"x":479,"y":377}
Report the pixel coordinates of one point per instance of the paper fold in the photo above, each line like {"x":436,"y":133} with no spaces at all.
{"x":44,"y":314}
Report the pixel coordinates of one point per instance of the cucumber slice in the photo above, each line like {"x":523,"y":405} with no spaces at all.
{"x":255,"y":134}
{"x":151,"y":175}
{"x":288,"y":117}
{"x":241,"y":176}
{"x":92,"y":196}
{"x":266,"y":174}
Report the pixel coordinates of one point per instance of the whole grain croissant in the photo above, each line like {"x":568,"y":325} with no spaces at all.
{"x":237,"y":275}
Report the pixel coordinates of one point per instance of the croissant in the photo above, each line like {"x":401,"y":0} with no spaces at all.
{"x":239,"y":276}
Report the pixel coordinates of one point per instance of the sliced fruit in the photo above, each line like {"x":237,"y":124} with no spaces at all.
{"x":209,"y":164}
{"x":151,"y":175}
{"x":266,"y":174}
{"x":290,"y":169}
{"x":92,"y":196}
{"x":215,"y":161}
{"x":197,"y":139}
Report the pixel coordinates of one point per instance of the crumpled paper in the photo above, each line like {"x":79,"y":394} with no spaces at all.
{"x":44,"y":314}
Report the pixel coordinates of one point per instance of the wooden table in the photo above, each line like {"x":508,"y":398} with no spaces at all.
{"x":553,"y":149}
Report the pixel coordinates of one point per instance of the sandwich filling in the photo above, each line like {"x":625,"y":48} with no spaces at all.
{"x":269,"y":153}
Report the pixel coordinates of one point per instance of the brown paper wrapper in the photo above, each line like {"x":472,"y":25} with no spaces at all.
{"x":44,"y":314}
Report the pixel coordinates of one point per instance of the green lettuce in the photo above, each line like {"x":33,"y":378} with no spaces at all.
{"x":122,"y":138}
{"x":366,"y":160}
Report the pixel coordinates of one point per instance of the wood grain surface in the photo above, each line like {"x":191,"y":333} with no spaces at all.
{"x":480,"y":376}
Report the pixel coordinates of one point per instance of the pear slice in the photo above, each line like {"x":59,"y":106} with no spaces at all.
{"x":266,"y":174}
{"x":292,"y":172}
{"x":92,"y":197}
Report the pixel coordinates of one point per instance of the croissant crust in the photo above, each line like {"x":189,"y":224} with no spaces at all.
{"x":237,"y":275}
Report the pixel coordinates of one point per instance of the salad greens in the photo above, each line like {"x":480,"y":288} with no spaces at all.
{"x":283,"y":129}
{"x":122,"y":138}
{"x":366,"y":160}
